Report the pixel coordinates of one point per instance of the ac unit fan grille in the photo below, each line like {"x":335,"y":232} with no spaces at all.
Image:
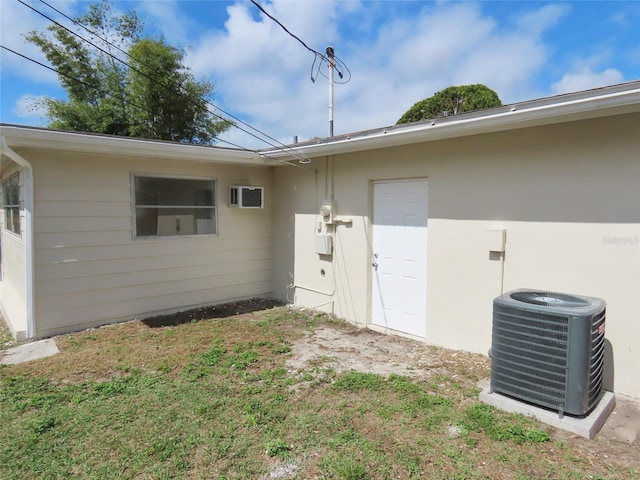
{"x":530,"y":356}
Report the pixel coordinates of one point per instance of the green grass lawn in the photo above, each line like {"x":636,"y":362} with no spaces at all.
{"x":213,"y":399}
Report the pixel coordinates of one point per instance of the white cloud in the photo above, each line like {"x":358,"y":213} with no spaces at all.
{"x":16,"y":21}
{"x":619,"y":19}
{"x":167,"y":18}
{"x":263,"y":74}
{"x":625,"y":15}
{"x":586,"y":79}
{"x":398,"y":53}
{"x":539,"y":21}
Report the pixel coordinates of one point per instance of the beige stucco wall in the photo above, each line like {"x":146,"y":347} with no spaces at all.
{"x":568,"y":196}
{"x":90,"y":270}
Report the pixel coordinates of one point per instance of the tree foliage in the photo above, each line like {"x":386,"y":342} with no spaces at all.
{"x":452,"y":101}
{"x":131,"y":85}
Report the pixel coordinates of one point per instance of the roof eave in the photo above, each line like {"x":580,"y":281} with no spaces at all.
{"x":26,"y":137}
{"x":510,"y":118}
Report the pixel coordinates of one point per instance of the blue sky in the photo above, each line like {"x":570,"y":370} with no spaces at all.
{"x":398,"y":52}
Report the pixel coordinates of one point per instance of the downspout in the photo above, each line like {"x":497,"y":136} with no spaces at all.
{"x":29,"y":233}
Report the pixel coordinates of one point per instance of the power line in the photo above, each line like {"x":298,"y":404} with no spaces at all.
{"x":283,"y":147}
{"x":110,"y":44}
{"x":294,"y":154}
{"x":263,"y":154}
{"x":63,"y":74}
{"x":285,"y":28}
{"x":97,"y":47}
{"x":317,"y":55}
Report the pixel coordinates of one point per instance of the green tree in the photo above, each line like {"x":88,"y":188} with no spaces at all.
{"x":452,"y":101}
{"x":130,"y":86}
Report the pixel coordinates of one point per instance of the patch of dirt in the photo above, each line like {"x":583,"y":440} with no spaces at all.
{"x":342,"y":347}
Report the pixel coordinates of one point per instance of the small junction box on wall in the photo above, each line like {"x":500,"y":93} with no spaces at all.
{"x":326,"y":212}
{"x":324,"y":244}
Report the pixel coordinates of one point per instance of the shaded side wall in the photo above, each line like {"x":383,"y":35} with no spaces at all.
{"x":13,"y":274}
{"x":567,"y":196}
{"x":90,"y":270}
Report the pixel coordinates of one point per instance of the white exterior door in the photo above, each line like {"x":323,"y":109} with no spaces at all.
{"x":399,"y":263}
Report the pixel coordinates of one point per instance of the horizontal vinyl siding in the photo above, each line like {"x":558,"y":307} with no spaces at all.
{"x":62,"y":191}
{"x":156,"y":247}
{"x":206,"y":273}
{"x":82,"y":270}
{"x":152,"y":287}
{"x":56,"y":209}
{"x":84,"y":224}
{"x":90,"y":270}
{"x":95,"y":314}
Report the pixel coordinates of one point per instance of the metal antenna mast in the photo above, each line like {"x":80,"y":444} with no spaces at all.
{"x":331,"y":54}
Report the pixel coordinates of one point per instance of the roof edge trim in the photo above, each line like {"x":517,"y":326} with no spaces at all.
{"x":30,"y":137}
{"x":508,"y":117}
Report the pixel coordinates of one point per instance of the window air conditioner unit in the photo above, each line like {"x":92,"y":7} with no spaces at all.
{"x":547,"y":349}
{"x":246,"y":197}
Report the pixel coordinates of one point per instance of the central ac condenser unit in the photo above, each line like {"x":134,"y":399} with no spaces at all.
{"x":547,"y":349}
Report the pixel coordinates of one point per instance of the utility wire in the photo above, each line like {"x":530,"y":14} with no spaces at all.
{"x":285,"y":28}
{"x":105,"y":51}
{"x":63,"y":74}
{"x":152,"y":79}
{"x":283,"y":147}
{"x":130,"y":103}
{"x":343,"y":67}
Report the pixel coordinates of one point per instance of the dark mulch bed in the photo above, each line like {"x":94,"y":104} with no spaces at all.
{"x":213,"y":311}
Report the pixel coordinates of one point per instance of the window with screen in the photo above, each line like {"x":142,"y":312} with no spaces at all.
{"x":11,"y":188}
{"x":174,"y":206}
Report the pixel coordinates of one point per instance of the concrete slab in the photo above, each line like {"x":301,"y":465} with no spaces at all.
{"x":29,"y":351}
{"x":586,"y":427}
{"x":623,"y":425}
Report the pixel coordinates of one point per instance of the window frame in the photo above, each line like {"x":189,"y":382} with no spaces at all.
{"x":9,"y":223}
{"x":135,"y":206}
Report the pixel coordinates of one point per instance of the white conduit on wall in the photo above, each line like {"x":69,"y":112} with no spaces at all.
{"x":329,"y":196}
